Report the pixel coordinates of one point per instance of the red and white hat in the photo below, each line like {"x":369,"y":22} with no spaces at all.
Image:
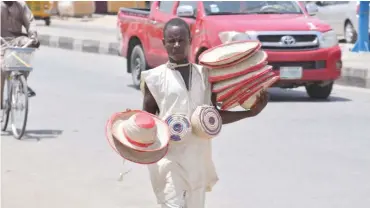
{"x":226,"y":88}
{"x":138,"y":136}
{"x":228,"y":54}
{"x":251,"y":64}
{"x":249,"y":90}
{"x":247,"y":101}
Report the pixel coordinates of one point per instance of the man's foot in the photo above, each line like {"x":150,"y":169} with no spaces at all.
{"x":31,"y":93}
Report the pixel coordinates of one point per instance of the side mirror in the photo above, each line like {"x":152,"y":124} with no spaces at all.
{"x":312,"y":9}
{"x":185,"y":11}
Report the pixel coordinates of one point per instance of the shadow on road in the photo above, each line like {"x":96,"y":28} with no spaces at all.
{"x":37,"y":134}
{"x":286,"y":95}
{"x":133,"y":86}
{"x":42,"y":134}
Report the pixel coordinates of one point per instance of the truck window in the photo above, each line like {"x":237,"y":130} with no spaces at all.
{"x":166,"y":6}
{"x":194,"y":4}
{"x":245,"y":7}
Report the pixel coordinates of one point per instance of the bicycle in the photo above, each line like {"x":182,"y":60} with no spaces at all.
{"x":15,"y":63}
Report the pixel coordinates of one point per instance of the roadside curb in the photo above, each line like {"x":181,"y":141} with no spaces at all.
{"x":86,"y":45}
{"x":355,"y":77}
{"x":350,"y":76}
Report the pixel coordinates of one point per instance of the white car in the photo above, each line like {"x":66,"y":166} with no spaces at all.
{"x":342,"y":16}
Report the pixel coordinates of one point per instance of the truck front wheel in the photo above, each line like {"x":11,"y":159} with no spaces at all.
{"x":137,"y":64}
{"x":318,"y":91}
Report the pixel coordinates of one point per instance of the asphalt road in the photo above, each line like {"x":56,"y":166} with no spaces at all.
{"x":297,"y":153}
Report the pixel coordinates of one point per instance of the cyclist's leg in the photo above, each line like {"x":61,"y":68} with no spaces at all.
{"x":20,"y":42}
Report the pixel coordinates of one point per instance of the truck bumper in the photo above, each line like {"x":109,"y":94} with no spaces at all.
{"x":318,"y":65}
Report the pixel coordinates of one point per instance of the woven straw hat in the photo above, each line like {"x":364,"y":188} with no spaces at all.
{"x":229,"y":53}
{"x":247,"y":101}
{"x":255,"y":86}
{"x":227,"y":87}
{"x":138,"y":136}
{"x":206,"y":122}
{"x":255,"y":62}
{"x":234,"y":87}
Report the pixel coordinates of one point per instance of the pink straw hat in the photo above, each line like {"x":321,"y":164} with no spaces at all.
{"x":138,"y":136}
{"x":228,"y":54}
{"x":255,"y":62}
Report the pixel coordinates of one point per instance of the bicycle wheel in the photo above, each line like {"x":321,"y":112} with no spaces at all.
{"x":19,"y":89}
{"x":7,"y":97}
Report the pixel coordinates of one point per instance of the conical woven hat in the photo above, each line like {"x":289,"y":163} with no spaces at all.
{"x":248,"y":89}
{"x":228,"y":53}
{"x":227,"y":87}
{"x":254,"y":63}
{"x":247,"y":101}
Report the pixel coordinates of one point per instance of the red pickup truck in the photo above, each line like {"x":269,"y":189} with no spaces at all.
{"x":303,"y":50}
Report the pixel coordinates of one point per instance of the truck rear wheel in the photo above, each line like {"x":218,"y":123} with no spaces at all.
{"x":47,"y":21}
{"x":137,"y":64}
{"x":317,"y":91}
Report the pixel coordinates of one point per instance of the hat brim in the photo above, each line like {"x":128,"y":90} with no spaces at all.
{"x":247,"y":101}
{"x":226,"y":93}
{"x":140,"y":155}
{"x":218,"y":56}
{"x":254,"y":63}
{"x":256,"y":85}
{"x":243,"y":79}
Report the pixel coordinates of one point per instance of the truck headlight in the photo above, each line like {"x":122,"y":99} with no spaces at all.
{"x":328,"y":39}
{"x":230,"y":36}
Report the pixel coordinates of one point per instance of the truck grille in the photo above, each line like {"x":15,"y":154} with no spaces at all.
{"x":304,"y":64}
{"x":288,"y":41}
{"x":277,"y":38}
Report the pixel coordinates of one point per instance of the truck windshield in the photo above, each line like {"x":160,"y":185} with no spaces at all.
{"x":251,"y":7}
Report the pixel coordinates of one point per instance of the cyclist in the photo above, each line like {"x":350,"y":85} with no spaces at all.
{"x":14,"y":15}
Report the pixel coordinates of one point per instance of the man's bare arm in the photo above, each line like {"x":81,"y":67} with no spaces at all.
{"x":29,"y":22}
{"x":149,"y":103}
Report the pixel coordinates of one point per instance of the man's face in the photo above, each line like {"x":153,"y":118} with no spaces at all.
{"x":177,"y":43}
{"x":9,"y":3}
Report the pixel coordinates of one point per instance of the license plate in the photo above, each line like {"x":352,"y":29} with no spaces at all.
{"x":291,"y":72}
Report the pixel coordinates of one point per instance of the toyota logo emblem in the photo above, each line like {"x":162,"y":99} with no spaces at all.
{"x":287,"y":40}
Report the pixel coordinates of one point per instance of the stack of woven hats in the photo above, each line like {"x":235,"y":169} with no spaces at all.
{"x":238,"y":72}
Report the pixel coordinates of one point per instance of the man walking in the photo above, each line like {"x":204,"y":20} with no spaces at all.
{"x":187,"y":172}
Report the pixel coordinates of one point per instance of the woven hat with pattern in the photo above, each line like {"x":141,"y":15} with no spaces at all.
{"x":206,"y":122}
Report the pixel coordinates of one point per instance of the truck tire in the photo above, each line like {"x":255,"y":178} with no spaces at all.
{"x":137,"y":64}
{"x":317,"y":91}
{"x":47,"y":21}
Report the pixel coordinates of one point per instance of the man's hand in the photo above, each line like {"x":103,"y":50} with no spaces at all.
{"x":35,"y":42}
{"x":260,"y":104}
